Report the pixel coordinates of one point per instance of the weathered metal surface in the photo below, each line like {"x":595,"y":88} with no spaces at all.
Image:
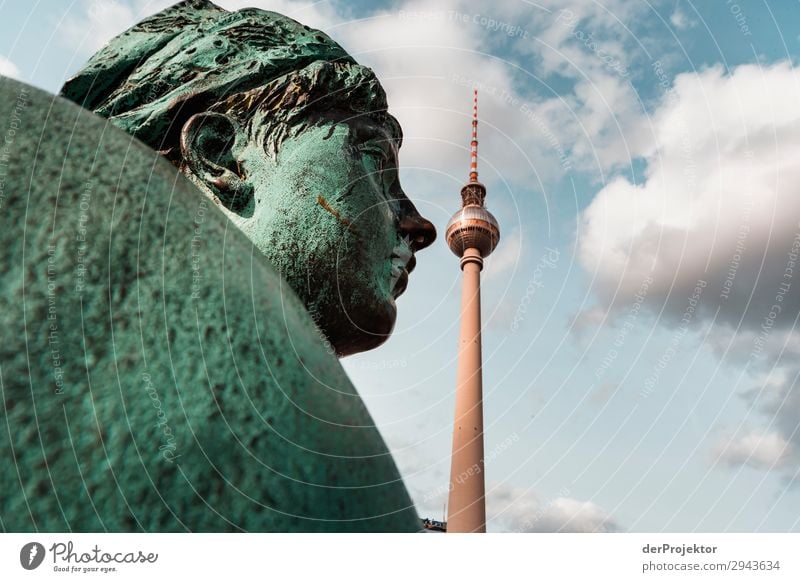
{"x":288,"y":135}
{"x":160,"y":369}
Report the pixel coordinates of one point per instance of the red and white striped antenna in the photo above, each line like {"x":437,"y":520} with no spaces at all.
{"x":473,"y":168}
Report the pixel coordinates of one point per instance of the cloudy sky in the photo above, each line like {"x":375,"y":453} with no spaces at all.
{"x":643,"y":159}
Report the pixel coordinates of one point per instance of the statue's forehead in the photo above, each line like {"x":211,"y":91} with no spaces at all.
{"x":372,"y":129}
{"x":355,"y":126}
{"x":361,"y":128}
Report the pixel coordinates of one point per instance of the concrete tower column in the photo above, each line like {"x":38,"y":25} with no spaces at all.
{"x":472,"y":234}
{"x":467,"y":505}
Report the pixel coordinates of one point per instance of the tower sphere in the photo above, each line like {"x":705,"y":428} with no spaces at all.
{"x":472,"y":227}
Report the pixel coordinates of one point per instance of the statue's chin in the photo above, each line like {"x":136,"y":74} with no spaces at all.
{"x":364,"y":330}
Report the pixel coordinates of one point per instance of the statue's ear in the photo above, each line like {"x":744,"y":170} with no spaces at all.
{"x":207,"y":142}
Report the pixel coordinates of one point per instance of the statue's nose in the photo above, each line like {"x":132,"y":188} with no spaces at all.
{"x":420,"y":231}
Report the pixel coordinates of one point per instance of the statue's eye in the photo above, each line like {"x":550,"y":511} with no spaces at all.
{"x":376,"y":156}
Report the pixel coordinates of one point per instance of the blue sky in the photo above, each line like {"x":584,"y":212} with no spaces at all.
{"x":635,"y":153}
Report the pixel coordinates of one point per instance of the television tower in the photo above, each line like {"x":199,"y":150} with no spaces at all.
{"x":472,"y":234}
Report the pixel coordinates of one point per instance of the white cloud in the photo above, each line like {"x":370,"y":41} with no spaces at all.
{"x":514,"y":509}
{"x":775,"y":396}
{"x":511,"y":509}
{"x":756,"y":449}
{"x":718,"y":202}
{"x":680,"y":20}
{"x":8,"y":69}
{"x":772,"y":399}
{"x":719,"y":205}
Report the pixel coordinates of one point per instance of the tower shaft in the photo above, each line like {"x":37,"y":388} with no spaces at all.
{"x":472,"y":234}
{"x":466,"y":503}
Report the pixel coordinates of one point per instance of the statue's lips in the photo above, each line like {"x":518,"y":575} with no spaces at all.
{"x":402,"y":283}
{"x":402,"y":277}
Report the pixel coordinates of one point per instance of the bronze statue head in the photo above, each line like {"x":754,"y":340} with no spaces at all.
{"x":289,"y":136}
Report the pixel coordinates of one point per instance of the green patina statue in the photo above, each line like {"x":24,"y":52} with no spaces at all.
{"x":170,"y":330}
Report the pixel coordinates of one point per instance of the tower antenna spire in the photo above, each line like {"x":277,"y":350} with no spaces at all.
{"x":473,"y":168}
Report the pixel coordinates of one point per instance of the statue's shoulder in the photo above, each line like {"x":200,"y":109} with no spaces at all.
{"x":158,"y":374}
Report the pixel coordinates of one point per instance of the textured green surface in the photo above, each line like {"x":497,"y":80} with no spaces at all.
{"x":289,"y":136}
{"x":170,"y":330}
{"x":155,"y":372}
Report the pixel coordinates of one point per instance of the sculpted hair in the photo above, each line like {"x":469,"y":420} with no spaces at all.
{"x":253,"y":65}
